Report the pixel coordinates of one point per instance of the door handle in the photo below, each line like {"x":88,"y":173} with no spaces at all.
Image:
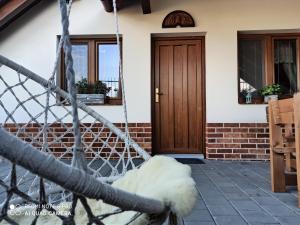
{"x":157,"y":94}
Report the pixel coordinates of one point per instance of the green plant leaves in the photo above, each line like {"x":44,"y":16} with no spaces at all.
{"x":83,"y":87}
{"x":273,"y":89}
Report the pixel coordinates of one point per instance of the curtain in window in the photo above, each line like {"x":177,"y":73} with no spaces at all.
{"x":285,"y":65}
{"x":251,"y":64}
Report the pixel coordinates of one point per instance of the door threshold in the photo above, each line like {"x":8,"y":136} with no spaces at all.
{"x":185,"y":156}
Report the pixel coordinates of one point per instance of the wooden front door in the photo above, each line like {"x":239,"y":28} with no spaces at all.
{"x":178,"y":96}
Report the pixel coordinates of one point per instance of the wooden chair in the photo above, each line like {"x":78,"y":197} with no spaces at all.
{"x":296,"y":154}
{"x":284,"y":126}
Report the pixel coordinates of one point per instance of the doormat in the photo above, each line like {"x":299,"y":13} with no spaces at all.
{"x":190,"y":161}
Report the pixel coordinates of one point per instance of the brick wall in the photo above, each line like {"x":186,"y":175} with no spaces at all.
{"x":237,"y":141}
{"x":229,"y":141}
{"x":141,"y":133}
{"x":32,"y":133}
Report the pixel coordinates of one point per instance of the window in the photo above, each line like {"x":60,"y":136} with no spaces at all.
{"x":285,"y":64}
{"x":251,"y":64}
{"x":266,"y":59}
{"x":96,"y":59}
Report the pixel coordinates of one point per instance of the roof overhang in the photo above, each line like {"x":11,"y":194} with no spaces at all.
{"x":108,"y":5}
{"x":12,"y":9}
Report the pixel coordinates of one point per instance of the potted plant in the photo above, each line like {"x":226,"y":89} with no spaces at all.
{"x":92,"y":93}
{"x":82,"y":86}
{"x":257,"y":98}
{"x":100,"y":90}
{"x":271,"y":92}
{"x":242,"y":96}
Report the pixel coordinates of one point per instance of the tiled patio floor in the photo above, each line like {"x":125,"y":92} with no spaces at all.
{"x":236,"y":193}
{"x":239,"y":193}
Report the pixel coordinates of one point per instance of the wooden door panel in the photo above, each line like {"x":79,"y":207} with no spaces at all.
{"x":192,"y":94}
{"x":180,"y":103}
{"x":166,"y":127}
{"x":178,"y":120}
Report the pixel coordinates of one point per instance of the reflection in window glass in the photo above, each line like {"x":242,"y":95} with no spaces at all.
{"x":80,"y":60}
{"x":108,"y":64}
{"x":251,"y":65}
{"x":285,"y":65}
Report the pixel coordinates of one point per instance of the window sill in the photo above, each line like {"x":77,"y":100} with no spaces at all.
{"x":261,"y":101}
{"x":113,"y":101}
{"x":108,"y":102}
{"x":255,"y":101}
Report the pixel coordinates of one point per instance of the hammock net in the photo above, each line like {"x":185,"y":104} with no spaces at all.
{"x":52,"y":121}
{"x":24,"y":99}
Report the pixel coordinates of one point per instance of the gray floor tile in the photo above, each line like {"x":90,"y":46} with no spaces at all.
{"x":236,"y":196}
{"x":289,"y":220}
{"x":218,"y":210}
{"x":239,"y":193}
{"x":200,"y":205}
{"x":216,"y":201}
{"x":229,"y":220}
{"x":230,"y":189}
{"x":264,"y":224}
{"x":267,"y":200}
{"x":279,"y":210}
{"x":199,"y":223}
{"x":246,"y":205}
{"x":201,"y":215}
{"x":258,"y":217}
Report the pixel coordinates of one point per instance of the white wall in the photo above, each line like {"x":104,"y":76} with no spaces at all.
{"x":31,"y":41}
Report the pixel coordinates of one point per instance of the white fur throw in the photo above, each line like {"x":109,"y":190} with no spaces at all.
{"x":160,"y":178}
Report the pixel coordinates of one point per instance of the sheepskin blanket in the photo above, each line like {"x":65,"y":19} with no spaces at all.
{"x":160,"y":178}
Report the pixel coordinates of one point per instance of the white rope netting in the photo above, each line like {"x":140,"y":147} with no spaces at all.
{"x":52,"y":121}
{"x":22,"y":112}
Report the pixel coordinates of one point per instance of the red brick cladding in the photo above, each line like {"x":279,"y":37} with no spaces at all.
{"x":140,"y":132}
{"x":237,"y":141}
{"x":229,"y":141}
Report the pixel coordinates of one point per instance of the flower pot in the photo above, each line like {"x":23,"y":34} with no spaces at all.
{"x":91,"y":98}
{"x":82,"y":90}
{"x":242,"y":100}
{"x":270,"y":97}
{"x":258,"y":100}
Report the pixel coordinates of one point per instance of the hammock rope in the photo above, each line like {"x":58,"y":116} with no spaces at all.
{"x":42,"y":127}
{"x":51,"y":81}
{"x":120,"y":63}
{"x":78,"y":159}
{"x":43,"y":179}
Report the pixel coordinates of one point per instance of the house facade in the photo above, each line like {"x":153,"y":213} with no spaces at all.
{"x":186,"y":87}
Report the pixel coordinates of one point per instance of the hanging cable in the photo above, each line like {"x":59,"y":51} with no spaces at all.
{"x":78,"y":159}
{"x":127,"y":142}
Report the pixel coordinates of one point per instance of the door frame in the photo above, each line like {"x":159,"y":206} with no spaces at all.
{"x":203,"y":87}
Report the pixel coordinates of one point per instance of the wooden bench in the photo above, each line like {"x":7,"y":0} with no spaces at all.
{"x":284,"y":126}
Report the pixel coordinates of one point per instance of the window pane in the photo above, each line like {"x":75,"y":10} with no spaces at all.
{"x":285,"y":65}
{"x":108,"y":64}
{"x":80,"y":60}
{"x":251,"y":65}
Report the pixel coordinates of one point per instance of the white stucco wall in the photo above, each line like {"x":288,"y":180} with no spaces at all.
{"x":31,"y":41}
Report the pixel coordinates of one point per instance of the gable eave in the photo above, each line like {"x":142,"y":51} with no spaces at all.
{"x":13,"y":9}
